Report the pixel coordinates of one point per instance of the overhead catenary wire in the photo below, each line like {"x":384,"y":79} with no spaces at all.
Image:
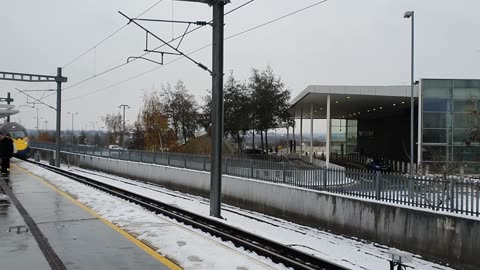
{"x":201,"y":48}
{"x":144,"y":54}
{"x":40,"y":102}
{"x":109,"y":36}
{"x":98,"y":44}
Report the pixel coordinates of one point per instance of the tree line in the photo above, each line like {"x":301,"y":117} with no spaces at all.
{"x":170,"y":116}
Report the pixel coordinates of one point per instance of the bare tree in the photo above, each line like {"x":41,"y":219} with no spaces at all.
{"x":154,"y":122}
{"x":113,"y":122}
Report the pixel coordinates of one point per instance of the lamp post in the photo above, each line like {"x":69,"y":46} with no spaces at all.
{"x":38,"y":122}
{"x":410,"y":15}
{"x":73,"y":133}
{"x":93,"y":125}
{"x":124,"y":106}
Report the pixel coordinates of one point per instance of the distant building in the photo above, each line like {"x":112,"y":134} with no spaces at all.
{"x":375,"y":120}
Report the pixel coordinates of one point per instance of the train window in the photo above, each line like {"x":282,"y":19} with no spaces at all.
{"x":16,"y":134}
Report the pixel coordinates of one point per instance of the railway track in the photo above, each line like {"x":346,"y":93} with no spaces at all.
{"x":275,"y":251}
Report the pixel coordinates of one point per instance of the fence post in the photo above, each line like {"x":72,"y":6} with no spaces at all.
{"x":251,"y":169}
{"x":184,"y":161}
{"x":324,"y":176}
{"x":411,"y":180}
{"x":226,"y":166}
{"x":205,"y":163}
{"x":141,"y":156}
{"x":452,"y":194}
{"x":168,"y":158}
{"x":283,"y":175}
{"x":377,"y":185}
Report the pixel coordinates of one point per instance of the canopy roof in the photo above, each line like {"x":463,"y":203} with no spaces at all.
{"x":351,"y":101}
{"x":7,"y":110}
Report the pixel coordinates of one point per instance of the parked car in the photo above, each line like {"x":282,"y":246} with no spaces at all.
{"x":115,"y":147}
{"x":378,"y":164}
{"x":255,"y":151}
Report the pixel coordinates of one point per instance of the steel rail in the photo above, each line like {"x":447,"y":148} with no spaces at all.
{"x":277,"y":252}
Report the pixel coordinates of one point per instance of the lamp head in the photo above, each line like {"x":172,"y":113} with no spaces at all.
{"x":209,"y":2}
{"x":408,"y":14}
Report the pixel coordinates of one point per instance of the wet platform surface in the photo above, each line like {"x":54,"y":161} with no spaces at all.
{"x":81,"y":240}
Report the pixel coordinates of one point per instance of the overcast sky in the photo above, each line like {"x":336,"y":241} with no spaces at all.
{"x":336,"y":42}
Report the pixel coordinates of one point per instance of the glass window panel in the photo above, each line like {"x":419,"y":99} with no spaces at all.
{"x":436,"y":83}
{"x":338,"y":122}
{"x":434,"y":153}
{"x":352,"y":123}
{"x":436,"y":120}
{"x":435,"y":105}
{"x":435,"y":135}
{"x":461,"y":135}
{"x":338,"y":137}
{"x":436,"y":92}
{"x":466,"y":93}
{"x":463,"y":105}
{"x":467,"y":83}
{"x":466,"y":153}
{"x":463,"y":120}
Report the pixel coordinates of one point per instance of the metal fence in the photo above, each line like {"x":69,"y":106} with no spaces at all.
{"x":453,"y":194}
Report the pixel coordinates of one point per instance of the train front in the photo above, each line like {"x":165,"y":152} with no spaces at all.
{"x":23,"y":150}
{"x":19,"y":136}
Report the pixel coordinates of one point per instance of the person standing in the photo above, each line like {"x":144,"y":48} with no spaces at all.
{"x":6,"y":152}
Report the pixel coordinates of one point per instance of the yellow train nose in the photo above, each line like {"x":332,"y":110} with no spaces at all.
{"x":20,"y":144}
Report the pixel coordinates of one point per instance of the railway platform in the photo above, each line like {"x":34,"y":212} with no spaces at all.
{"x":66,"y":230}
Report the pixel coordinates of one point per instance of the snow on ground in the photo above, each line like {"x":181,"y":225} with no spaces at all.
{"x":185,"y":248}
{"x":190,"y":248}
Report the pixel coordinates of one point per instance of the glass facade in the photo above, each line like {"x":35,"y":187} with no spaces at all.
{"x":448,"y":120}
{"x":344,"y":132}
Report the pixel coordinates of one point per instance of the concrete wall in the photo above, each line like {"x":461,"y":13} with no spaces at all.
{"x":443,"y":238}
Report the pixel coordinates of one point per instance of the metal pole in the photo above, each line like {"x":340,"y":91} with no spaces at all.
{"x":8,"y":102}
{"x":73,"y":133}
{"x":294,"y":144}
{"x":38,"y":128}
{"x":412,"y":99}
{"x":59,"y":116}
{"x":311,"y":133}
{"x":123,"y":129}
{"x":327,"y":143}
{"x":301,"y":131}
{"x":217,"y":110}
{"x":288,"y":139}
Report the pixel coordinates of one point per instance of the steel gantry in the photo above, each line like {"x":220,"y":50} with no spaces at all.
{"x":59,"y":79}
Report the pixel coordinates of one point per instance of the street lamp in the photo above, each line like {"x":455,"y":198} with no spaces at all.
{"x":93,"y":125}
{"x":408,"y":15}
{"x":124,"y":106}
{"x":73,"y":133}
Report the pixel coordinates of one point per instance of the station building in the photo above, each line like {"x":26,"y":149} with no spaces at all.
{"x":374,"y":121}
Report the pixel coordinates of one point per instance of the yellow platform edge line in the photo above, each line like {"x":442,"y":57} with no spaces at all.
{"x":150,"y":251}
